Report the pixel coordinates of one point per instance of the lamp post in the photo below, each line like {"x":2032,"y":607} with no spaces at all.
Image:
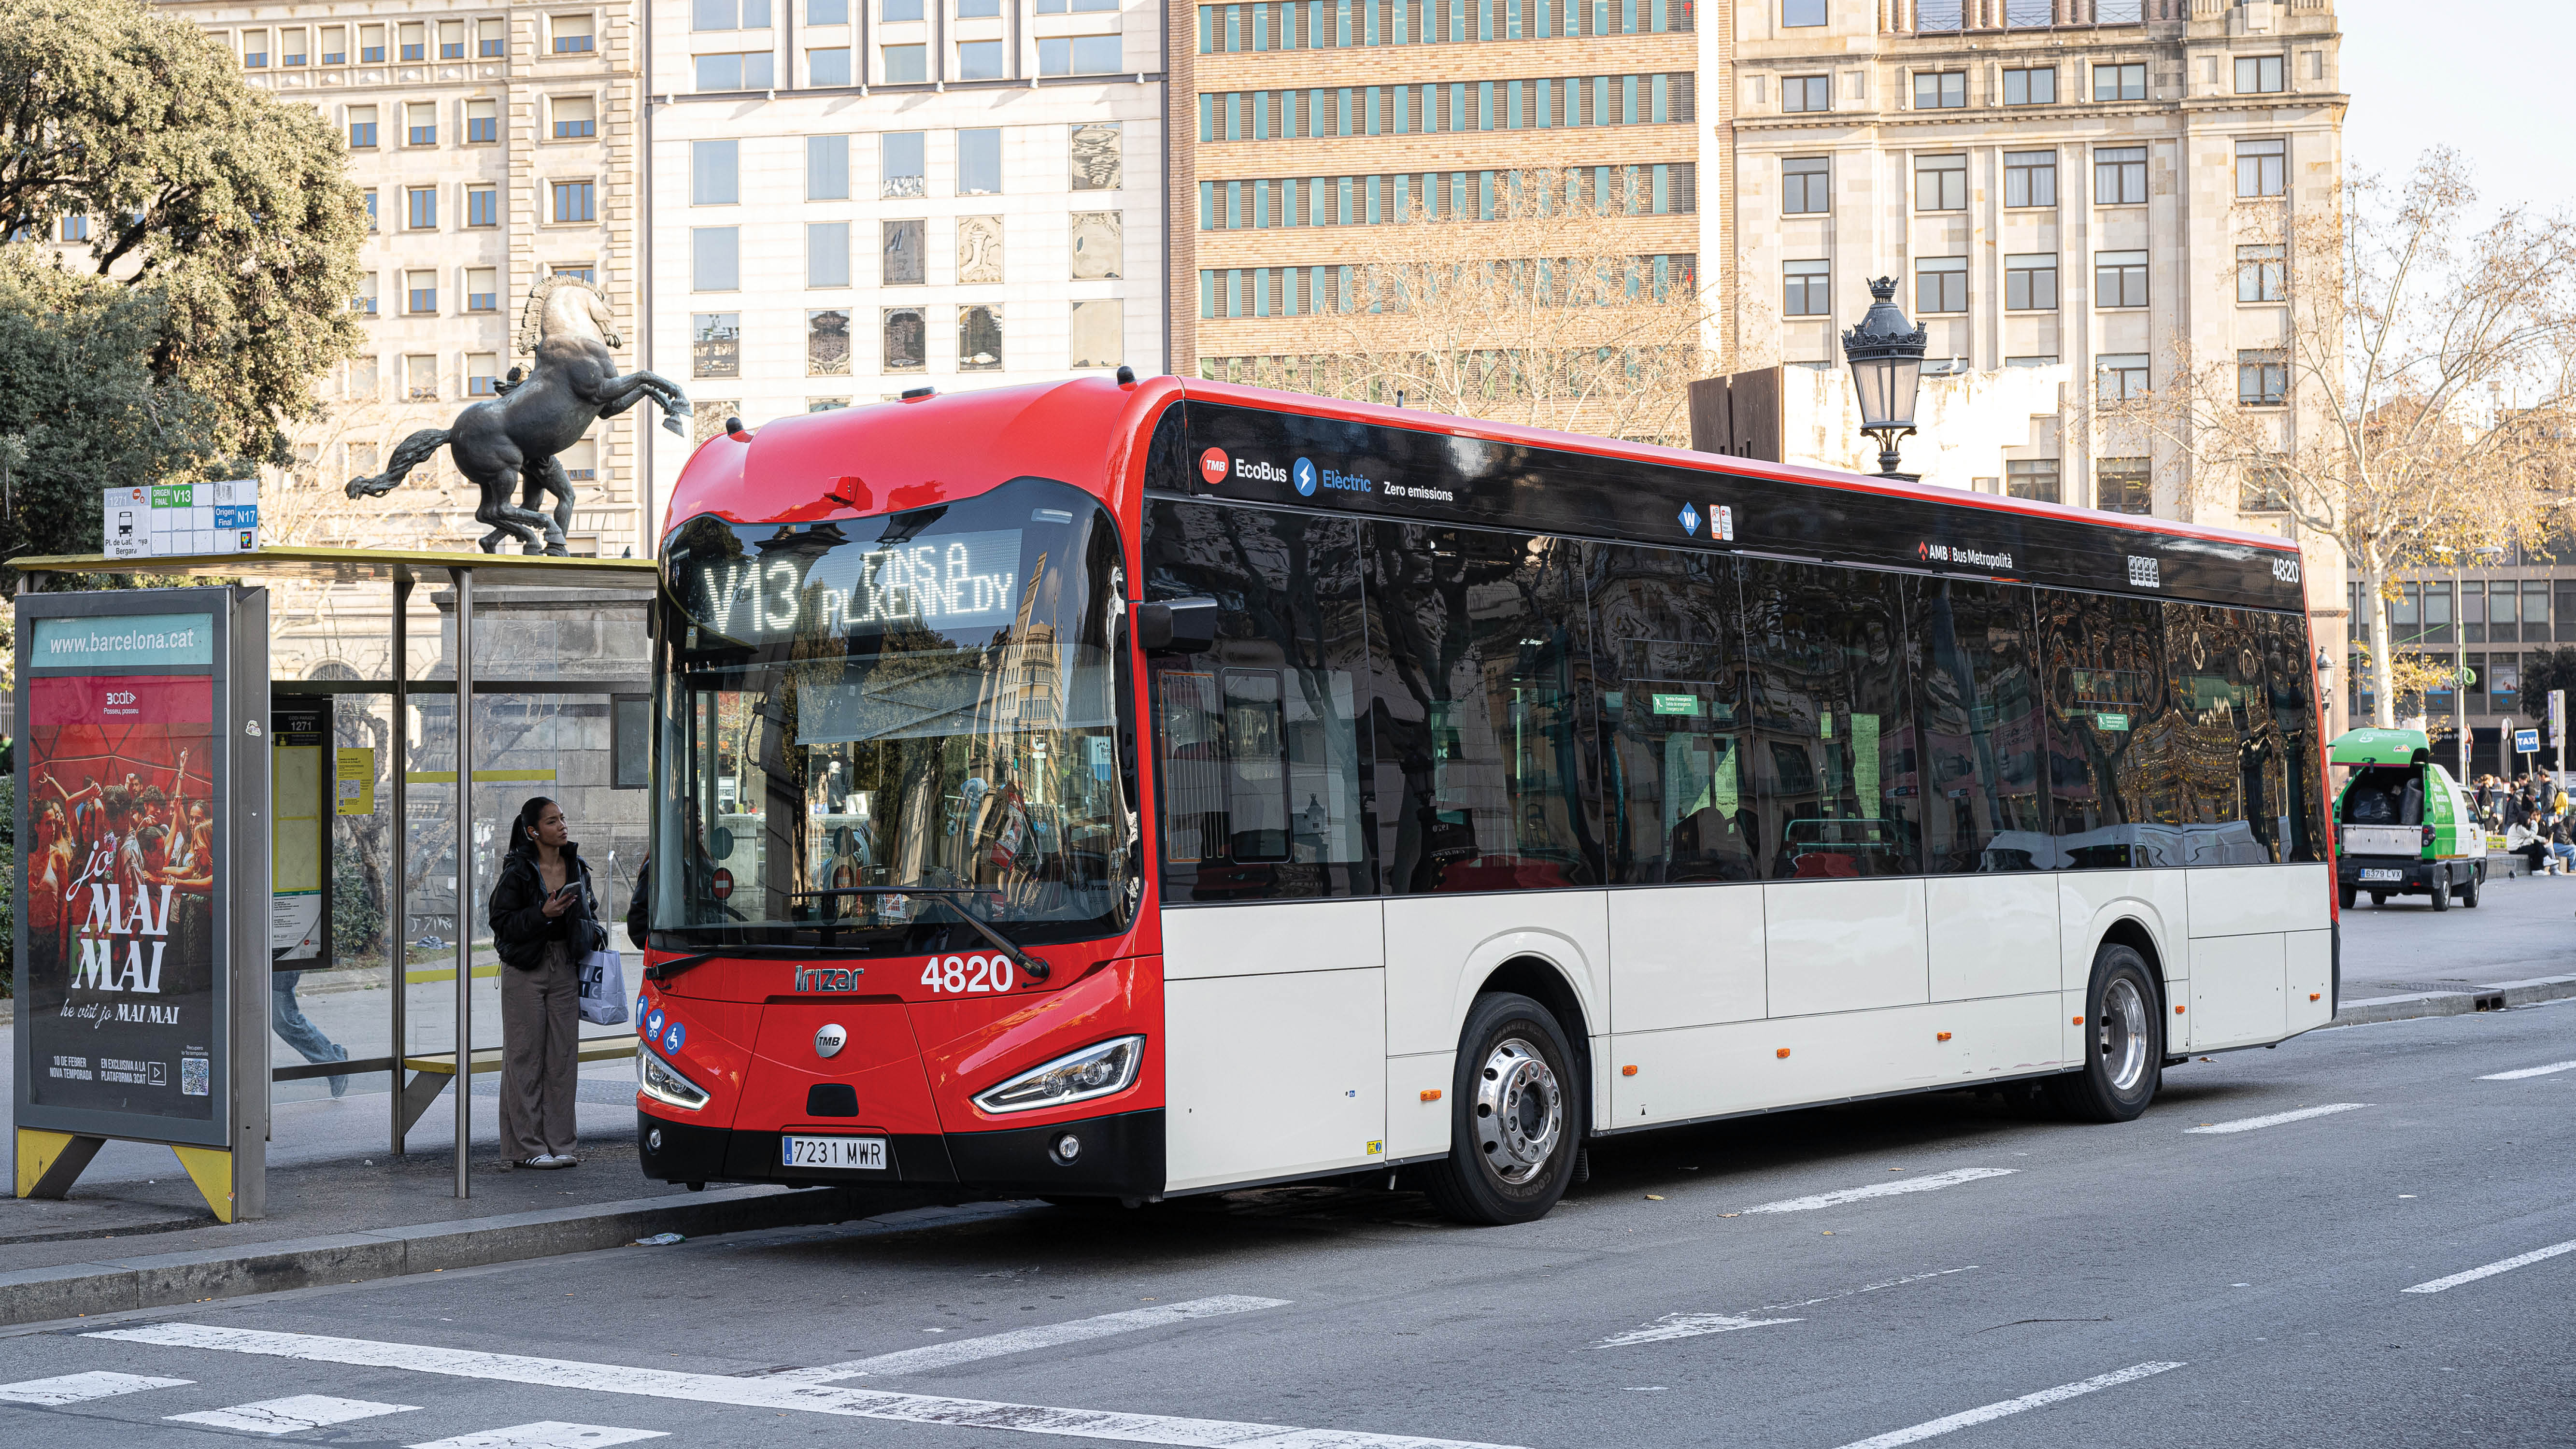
{"x":1886,"y":357}
{"x":2461,"y":675}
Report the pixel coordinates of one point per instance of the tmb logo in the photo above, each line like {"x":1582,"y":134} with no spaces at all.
{"x":1213,"y":466}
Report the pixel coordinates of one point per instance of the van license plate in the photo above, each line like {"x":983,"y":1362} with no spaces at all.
{"x":2397,"y":875}
{"x":859,"y":1152}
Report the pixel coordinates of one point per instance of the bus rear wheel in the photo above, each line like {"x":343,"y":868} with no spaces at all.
{"x":2123,"y":1042}
{"x":1516,"y":1119}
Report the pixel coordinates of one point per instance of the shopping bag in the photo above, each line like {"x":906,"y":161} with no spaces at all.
{"x":603,"y":988}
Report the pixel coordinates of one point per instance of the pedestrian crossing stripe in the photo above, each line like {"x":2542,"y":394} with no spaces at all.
{"x":544,"y":1434}
{"x":292,"y":1414}
{"x":81,"y":1388}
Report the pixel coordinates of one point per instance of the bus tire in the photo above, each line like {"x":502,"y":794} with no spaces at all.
{"x":2442,"y":889}
{"x":1516,"y":1116}
{"x":2123,"y":1057}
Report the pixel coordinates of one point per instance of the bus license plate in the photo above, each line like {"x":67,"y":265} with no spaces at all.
{"x":861,"y":1152}
{"x":2383,"y":875}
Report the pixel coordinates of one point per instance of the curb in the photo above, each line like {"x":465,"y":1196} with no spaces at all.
{"x":2456,"y":1003}
{"x":162,"y":1280}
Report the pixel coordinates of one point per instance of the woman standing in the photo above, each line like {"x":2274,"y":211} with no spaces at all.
{"x":544,"y":921}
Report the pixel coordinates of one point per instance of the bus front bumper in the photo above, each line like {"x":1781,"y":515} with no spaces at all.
{"x":1117,"y":1156}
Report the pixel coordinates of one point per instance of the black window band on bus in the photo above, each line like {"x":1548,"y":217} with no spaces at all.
{"x":1395,"y":709}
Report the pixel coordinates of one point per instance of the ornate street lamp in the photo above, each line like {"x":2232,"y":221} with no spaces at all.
{"x":1886,"y":357}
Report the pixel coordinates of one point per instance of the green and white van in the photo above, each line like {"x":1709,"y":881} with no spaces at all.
{"x":2403,"y":826}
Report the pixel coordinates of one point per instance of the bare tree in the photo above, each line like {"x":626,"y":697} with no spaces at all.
{"x":2406,"y":409}
{"x":1541,"y":315}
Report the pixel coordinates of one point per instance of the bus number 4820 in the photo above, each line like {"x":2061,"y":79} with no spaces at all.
{"x":967,"y":973}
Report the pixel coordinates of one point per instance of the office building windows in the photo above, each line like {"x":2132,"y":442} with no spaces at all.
{"x":2037,"y":87}
{"x":906,"y":64}
{"x":903,"y":171}
{"x":2031,"y":478}
{"x":2030,"y":178}
{"x":420,"y":123}
{"x":828,"y":66}
{"x":1941,"y":284}
{"x":2262,"y":377}
{"x":2030,"y":283}
{"x":482,"y":122}
{"x":715,"y":259}
{"x":715,"y":173}
{"x":2120,"y":376}
{"x":979,"y":59}
{"x":482,"y":289}
{"x":1806,"y":185}
{"x":827,"y":254}
{"x":362,"y":128}
{"x":1940,"y":183}
{"x":906,"y":249}
{"x":2123,"y":485}
{"x":1805,"y":289}
{"x":420,"y":293}
{"x":729,"y":15}
{"x":827,"y":168}
{"x":572,"y":34}
{"x":482,"y":206}
{"x":491,"y":39}
{"x":2120,"y":82}
{"x":482,"y":369}
{"x":2262,"y":274}
{"x":2119,"y":175}
{"x":2119,"y":279}
{"x":420,"y":208}
{"x":1940,"y":90}
{"x":2259,"y":167}
{"x":1079,"y":55}
{"x":750,"y":71}
{"x":979,"y":162}
{"x":979,"y":339}
{"x":2258,"y":74}
{"x":576,"y":118}
{"x":906,"y":339}
{"x":715,"y":344}
{"x":1797,"y":93}
{"x":573,"y":201}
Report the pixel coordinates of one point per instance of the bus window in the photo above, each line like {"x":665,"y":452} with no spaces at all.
{"x":1258,"y":738}
{"x":2291,"y":681}
{"x":2107,"y":748}
{"x":2227,"y":766}
{"x":1837,"y":777}
{"x":1676,"y":783}
{"x":1478,"y":641}
{"x":1979,"y":712}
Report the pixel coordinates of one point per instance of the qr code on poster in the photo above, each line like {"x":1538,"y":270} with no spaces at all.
{"x":192,"y":1076}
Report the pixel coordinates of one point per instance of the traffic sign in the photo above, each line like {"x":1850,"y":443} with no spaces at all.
{"x":2526,"y":742}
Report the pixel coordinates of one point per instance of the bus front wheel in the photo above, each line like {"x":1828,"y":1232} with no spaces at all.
{"x":2123,"y":1042}
{"x":1516,"y":1119}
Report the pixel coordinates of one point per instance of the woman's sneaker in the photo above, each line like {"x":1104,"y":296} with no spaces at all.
{"x":544,"y":1161}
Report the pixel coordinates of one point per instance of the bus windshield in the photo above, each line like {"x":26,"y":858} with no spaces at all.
{"x":868,"y":725}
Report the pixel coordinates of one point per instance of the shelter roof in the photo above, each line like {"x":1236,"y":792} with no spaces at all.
{"x":364,"y":565}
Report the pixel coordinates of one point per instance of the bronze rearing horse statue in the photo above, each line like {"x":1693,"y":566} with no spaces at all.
{"x":511,"y":441}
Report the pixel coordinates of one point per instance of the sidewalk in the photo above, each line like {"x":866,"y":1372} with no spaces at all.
{"x":134,"y":1234}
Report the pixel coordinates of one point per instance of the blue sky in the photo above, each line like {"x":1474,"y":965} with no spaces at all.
{"x":2480,"y":86}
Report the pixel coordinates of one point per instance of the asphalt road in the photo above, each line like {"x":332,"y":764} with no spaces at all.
{"x":2045,"y":1284}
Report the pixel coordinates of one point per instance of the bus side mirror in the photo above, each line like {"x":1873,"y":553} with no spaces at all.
{"x":1181,"y":626}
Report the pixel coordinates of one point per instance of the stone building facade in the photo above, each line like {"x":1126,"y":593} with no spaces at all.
{"x":496,"y":145}
{"x":854,"y":198}
{"x":1305,"y":132}
{"x":2055,"y":183}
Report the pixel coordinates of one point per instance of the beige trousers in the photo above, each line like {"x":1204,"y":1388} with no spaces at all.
{"x":540,"y":1022}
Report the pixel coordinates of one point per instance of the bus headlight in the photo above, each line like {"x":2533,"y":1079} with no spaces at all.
{"x":662,"y":1082}
{"x":1094,"y":1071}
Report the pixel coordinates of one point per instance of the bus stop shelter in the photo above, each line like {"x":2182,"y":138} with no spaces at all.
{"x":600,"y":659}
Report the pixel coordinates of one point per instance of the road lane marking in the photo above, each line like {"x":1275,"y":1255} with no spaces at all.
{"x":1691,"y":1325}
{"x":1967,"y":1418}
{"x":2248,"y":1124}
{"x":544,"y":1434}
{"x":1688,"y":1325}
{"x":81,"y":1388}
{"x":1021,"y":1340}
{"x":1882,"y":1189}
{"x":2531,"y":1072}
{"x":2521,"y":1260}
{"x":769,"y":1394}
{"x":290,"y":1415}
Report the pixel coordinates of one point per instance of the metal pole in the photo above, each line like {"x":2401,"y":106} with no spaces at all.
{"x":464,"y":875}
{"x":2459,"y":662}
{"x":397,"y":942}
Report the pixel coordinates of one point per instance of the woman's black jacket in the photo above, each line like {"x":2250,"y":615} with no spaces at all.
{"x":520,"y":928}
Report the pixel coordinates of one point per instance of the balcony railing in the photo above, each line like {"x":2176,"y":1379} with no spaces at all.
{"x":1950,"y":17}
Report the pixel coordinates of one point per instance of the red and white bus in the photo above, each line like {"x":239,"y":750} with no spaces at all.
{"x":1133,"y":789}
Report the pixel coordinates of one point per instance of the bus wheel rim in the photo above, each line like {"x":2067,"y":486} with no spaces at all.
{"x":2124,"y":1035}
{"x":1520,"y":1111}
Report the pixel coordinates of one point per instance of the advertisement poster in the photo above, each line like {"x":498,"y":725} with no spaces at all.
{"x":300,"y":734}
{"x":119,"y":987}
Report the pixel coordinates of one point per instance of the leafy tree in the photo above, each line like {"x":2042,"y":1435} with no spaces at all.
{"x":80,"y":406}
{"x":228,"y":206}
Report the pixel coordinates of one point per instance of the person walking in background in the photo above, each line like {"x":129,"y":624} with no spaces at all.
{"x":544,"y":921}
{"x":2562,"y":851}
